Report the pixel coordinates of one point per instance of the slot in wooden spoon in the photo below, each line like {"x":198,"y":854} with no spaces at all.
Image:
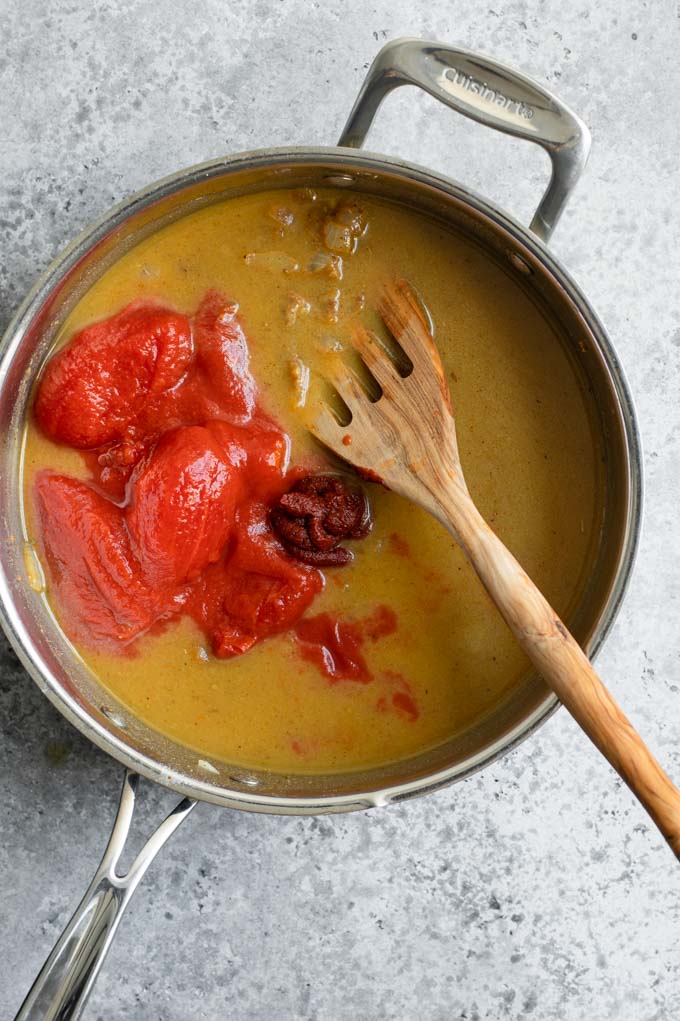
{"x":407,"y":440}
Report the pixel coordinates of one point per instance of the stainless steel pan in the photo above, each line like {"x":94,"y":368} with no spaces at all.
{"x":492,"y":94}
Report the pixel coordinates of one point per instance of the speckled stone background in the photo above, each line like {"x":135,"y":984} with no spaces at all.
{"x":537,"y":889}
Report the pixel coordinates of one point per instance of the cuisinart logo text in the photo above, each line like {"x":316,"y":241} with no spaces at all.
{"x":481,"y":89}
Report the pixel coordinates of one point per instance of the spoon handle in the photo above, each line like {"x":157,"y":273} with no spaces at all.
{"x":562,"y":663}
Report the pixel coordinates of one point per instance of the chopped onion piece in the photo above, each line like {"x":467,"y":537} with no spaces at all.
{"x":296,"y":308}
{"x":350,"y":214}
{"x":324,"y":262}
{"x":282,"y":215}
{"x":301,"y":377}
{"x":337,"y":237}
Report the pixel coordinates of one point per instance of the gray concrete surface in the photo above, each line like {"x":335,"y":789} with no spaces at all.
{"x":537,"y":889}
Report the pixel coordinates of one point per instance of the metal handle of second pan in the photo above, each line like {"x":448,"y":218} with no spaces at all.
{"x":65,"y":982}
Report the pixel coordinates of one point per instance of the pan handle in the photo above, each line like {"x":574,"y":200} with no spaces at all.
{"x":489,"y":92}
{"x":61,"y":989}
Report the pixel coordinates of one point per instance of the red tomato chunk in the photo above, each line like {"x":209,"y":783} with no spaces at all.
{"x":92,"y":389}
{"x":184,"y":465}
{"x":176,"y":516}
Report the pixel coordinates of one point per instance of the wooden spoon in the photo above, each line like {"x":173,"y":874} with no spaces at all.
{"x":407,"y":440}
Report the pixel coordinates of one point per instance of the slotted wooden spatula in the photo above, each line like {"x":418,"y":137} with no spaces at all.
{"x":407,"y":440}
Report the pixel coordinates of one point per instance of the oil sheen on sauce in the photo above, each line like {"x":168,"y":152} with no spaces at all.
{"x":402,"y":649}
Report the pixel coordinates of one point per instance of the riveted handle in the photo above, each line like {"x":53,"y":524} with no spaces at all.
{"x":488,"y":92}
{"x":61,"y":989}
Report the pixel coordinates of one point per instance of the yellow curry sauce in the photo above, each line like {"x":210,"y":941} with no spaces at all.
{"x":527,"y":446}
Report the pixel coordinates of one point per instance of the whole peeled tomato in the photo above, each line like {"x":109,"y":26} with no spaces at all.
{"x":222,"y":353}
{"x":182,"y":506}
{"x":93,"y":388}
{"x":100,"y":587}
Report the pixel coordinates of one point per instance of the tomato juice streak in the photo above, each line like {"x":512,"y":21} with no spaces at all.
{"x":336,"y":646}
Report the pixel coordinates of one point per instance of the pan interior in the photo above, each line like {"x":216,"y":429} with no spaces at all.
{"x":61,"y":672}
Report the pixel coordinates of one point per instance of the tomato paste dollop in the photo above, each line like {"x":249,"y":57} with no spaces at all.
{"x":184,"y":468}
{"x":316,"y":515}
